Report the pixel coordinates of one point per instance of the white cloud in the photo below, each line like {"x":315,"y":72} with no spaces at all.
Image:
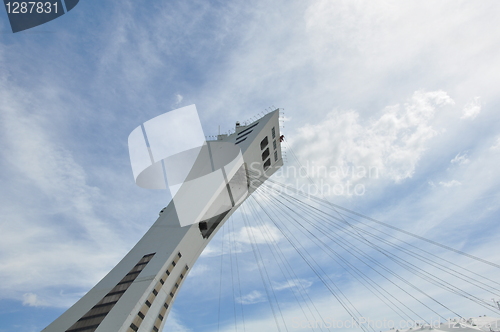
{"x":259,"y":234}
{"x":285,"y":118}
{"x":471,"y":109}
{"x":174,"y":323}
{"x":179,"y":98}
{"x":32,"y":300}
{"x":392,"y":144}
{"x":211,"y":250}
{"x":234,"y":242}
{"x":496,"y":146}
{"x":252,"y":298}
{"x":460,"y":159}
{"x":298,"y":284}
{"x":452,"y":183}
{"x":199,"y":270}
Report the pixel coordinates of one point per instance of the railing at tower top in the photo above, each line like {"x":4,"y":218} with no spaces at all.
{"x":248,"y":122}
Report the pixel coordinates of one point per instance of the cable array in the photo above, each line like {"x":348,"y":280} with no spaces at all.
{"x":401,"y":270}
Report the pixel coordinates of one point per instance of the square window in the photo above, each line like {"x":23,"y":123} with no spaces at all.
{"x":264,"y":143}
{"x":273,"y":132}
{"x":265,"y":154}
{"x":267,"y":164}
{"x":275,"y":155}
{"x":274,"y":144}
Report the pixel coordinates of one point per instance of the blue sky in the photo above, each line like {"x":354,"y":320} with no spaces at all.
{"x":410,"y":88}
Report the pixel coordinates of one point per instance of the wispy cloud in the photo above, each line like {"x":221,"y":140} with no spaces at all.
{"x":50,"y":198}
{"x":460,"y":159}
{"x":298,"y":284}
{"x":252,"y":298}
{"x":472,"y":109}
{"x":451,"y":183}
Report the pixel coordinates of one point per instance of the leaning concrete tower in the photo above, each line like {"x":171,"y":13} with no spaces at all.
{"x":138,"y":293}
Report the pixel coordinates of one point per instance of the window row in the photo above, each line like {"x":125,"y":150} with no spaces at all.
{"x":91,"y":320}
{"x":263,"y":145}
{"x":170,"y":297}
{"x":136,"y":323}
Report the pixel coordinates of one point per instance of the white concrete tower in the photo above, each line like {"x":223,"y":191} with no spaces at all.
{"x":138,"y":293}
